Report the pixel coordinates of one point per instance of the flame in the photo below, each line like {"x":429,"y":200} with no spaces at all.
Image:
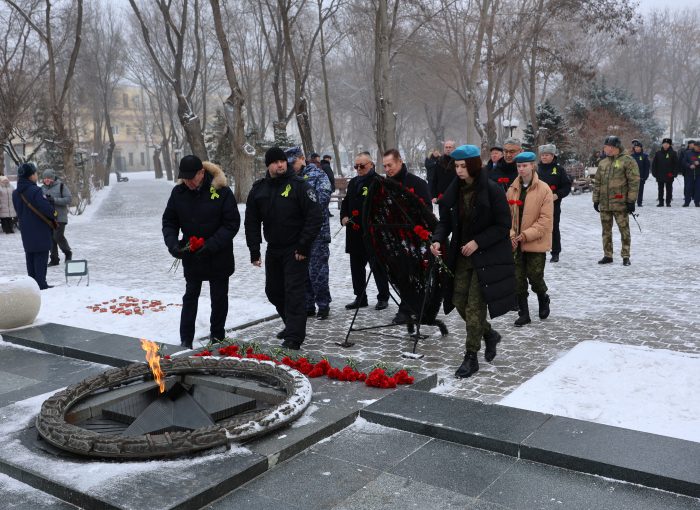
{"x":153,"y":359}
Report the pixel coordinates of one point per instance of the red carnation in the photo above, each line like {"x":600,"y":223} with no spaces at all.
{"x":518,"y":202}
{"x":669,"y":174}
{"x":439,"y":196}
{"x":412,"y":190}
{"x":195,"y":243}
{"x":355,"y":226}
{"x":503,"y":180}
{"x":355,"y":212}
{"x":553,"y":187}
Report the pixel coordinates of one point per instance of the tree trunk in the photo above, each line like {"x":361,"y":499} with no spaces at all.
{"x":167,"y":159}
{"x":192,"y":127}
{"x":383,"y":97}
{"x":279,"y":129}
{"x":327,"y":97}
{"x":157,"y":167}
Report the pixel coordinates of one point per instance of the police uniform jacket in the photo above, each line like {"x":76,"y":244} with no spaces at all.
{"x":489,"y":226}
{"x":209,"y":211}
{"x":288,"y":209}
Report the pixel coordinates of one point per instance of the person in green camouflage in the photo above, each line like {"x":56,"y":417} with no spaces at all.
{"x":614,"y":196}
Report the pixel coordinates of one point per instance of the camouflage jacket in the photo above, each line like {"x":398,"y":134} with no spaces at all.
{"x":616,"y":183}
{"x":319,"y":181}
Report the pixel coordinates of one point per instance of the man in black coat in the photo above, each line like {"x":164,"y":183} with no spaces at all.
{"x":664,"y":168}
{"x":287,"y":208}
{"x":444,"y":173}
{"x":554,"y":175}
{"x":642,"y":159}
{"x":396,"y":169}
{"x":506,"y":171}
{"x":202,"y":206}
{"x":325,"y":165}
{"x":351,"y":218}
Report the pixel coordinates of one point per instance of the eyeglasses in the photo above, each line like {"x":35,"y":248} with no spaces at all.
{"x":361,"y":167}
{"x":511,"y":152}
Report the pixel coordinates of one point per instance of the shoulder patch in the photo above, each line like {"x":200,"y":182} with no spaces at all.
{"x":312,"y":195}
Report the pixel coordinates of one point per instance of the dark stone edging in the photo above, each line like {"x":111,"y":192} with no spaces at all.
{"x":637,"y":457}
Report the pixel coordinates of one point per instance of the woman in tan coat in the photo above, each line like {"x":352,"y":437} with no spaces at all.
{"x":532,"y":212}
{"x":7,"y":210}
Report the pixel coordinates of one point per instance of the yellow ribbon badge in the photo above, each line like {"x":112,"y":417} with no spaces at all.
{"x":213,"y":192}
{"x":364,"y":191}
{"x":554,"y":171}
{"x":286,"y":191}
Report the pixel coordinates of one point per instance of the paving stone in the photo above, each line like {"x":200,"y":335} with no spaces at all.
{"x":16,"y":495}
{"x":648,"y":459}
{"x":528,"y":485}
{"x":462,"y":469}
{"x":243,"y":499}
{"x":389,"y":492}
{"x":313,"y":481}
{"x":469,"y":422}
{"x":372,"y":446}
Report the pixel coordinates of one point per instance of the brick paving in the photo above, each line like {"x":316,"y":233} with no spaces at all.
{"x":651,"y":303}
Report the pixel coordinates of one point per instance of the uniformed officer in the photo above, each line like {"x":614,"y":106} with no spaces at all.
{"x":642,"y":159}
{"x":614,"y":196}
{"x":552,"y":173}
{"x":287,"y":208}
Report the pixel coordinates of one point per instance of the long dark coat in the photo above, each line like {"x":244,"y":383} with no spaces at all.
{"x":36,"y":234}
{"x":209,"y":212}
{"x":354,"y":201}
{"x":489,"y":226}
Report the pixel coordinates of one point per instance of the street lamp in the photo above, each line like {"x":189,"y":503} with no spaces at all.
{"x":511,"y":124}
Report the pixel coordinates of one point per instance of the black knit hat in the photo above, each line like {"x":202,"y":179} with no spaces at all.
{"x":667,"y":140}
{"x":26,"y":170}
{"x":189,"y":166}
{"x":274,"y":154}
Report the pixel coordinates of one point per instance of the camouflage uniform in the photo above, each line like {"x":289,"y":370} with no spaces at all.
{"x":529,"y":266}
{"x":469,"y":303}
{"x":317,"y":288}
{"x":616,"y":184}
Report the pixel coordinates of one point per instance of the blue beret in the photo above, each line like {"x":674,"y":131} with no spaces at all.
{"x":466,"y":152}
{"x":525,"y":157}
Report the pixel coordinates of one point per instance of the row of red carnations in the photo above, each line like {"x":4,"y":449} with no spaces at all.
{"x":377,"y":377}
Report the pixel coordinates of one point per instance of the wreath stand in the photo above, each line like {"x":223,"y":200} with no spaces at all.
{"x":413,"y":327}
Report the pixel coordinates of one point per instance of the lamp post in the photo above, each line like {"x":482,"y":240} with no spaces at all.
{"x":511,"y":124}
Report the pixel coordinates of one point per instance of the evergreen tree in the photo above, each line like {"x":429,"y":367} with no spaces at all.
{"x":553,"y":127}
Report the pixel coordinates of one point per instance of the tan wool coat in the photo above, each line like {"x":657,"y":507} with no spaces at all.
{"x":537,"y":222}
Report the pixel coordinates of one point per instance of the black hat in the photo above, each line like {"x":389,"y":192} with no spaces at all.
{"x":274,"y":154}
{"x":189,"y":166}
{"x":26,"y":170}
{"x":667,"y":140}
{"x":613,"y":141}
{"x":637,"y":143}
{"x":327,"y":156}
{"x":496,"y":147}
{"x":314,"y":155}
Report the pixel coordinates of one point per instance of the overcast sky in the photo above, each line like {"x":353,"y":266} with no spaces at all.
{"x":647,"y":5}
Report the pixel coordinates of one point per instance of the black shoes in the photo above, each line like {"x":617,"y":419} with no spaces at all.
{"x":668,"y":204}
{"x":322,"y":313}
{"x":661,"y":204}
{"x":69,"y":255}
{"x":491,"y":340}
{"x":291,"y":344}
{"x":54,"y":262}
{"x":469,"y":366}
{"x":687,"y":204}
{"x":555,"y":257}
{"x":381,"y":305}
{"x":358,"y":303}
{"x":400,"y":318}
{"x":626,"y":261}
{"x":186,"y":344}
{"x":543,"y":300}
{"x":605,"y":260}
{"x":310,"y":312}
{"x":523,"y":313}
{"x":281,"y":334}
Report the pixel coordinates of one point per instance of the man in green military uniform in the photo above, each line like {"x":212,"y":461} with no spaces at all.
{"x":614,"y":196}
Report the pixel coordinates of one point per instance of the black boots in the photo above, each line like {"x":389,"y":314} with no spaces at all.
{"x":491,"y":340}
{"x":555,"y":257}
{"x":53,"y":262}
{"x":69,"y":255}
{"x":543,"y":300}
{"x":523,"y":312}
{"x":605,"y":260}
{"x":360,"y":302}
{"x":469,"y":366}
{"x":626,"y":261}
{"x":186,"y":344}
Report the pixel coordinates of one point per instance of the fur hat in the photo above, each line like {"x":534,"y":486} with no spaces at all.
{"x":667,"y":140}
{"x":548,"y":148}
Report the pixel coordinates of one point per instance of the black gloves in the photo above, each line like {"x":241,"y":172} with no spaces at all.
{"x":50,"y":199}
{"x":630,"y":207}
{"x":595,"y":206}
{"x":204,"y":251}
{"x":176,"y":252}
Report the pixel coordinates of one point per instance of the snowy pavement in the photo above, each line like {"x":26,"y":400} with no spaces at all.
{"x":652,"y":304}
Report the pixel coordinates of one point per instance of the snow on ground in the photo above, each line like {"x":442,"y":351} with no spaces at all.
{"x":120,"y":236}
{"x":651,"y":390}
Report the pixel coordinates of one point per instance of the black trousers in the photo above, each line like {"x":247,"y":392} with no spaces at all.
{"x":285,"y":287}
{"x":556,"y":235}
{"x":640,"y":196}
{"x":669,"y":191}
{"x":7,"y":224}
{"x":218,"y":291}
{"x":358,"y":261}
{"x":59,"y":240}
{"x":36,"y":267}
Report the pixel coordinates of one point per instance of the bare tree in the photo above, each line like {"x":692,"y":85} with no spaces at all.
{"x":57,"y":92}
{"x":170,"y":60}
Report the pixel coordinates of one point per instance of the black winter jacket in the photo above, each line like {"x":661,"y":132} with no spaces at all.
{"x":664,"y":166}
{"x":326,"y":167}
{"x":354,"y":200}
{"x":289,"y":212}
{"x":504,"y":171}
{"x":490,"y":227}
{"x":36,"y":233}
{"x":210,"y":212}
{"x":555,"y":176}
{"x":442,"y":176}
{"x":411,"y":181}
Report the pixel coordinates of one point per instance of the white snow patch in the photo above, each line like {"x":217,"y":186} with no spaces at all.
{"x":412,"y":355}
{"x":14,"y":488}
{"x":650,"y":390}
{"x":367,"y":427}
{"x":306,"y":418}
{"x":367,"y":402}
{"x":326,"y":473}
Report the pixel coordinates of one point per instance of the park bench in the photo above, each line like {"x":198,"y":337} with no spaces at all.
{"x":341,"y":189}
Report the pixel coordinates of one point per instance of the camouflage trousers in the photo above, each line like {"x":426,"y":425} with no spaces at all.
{"x":469,"y":302}
{"x":529,"y":267}
{"x":317,"y":289}
{"x":623,"y":223}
